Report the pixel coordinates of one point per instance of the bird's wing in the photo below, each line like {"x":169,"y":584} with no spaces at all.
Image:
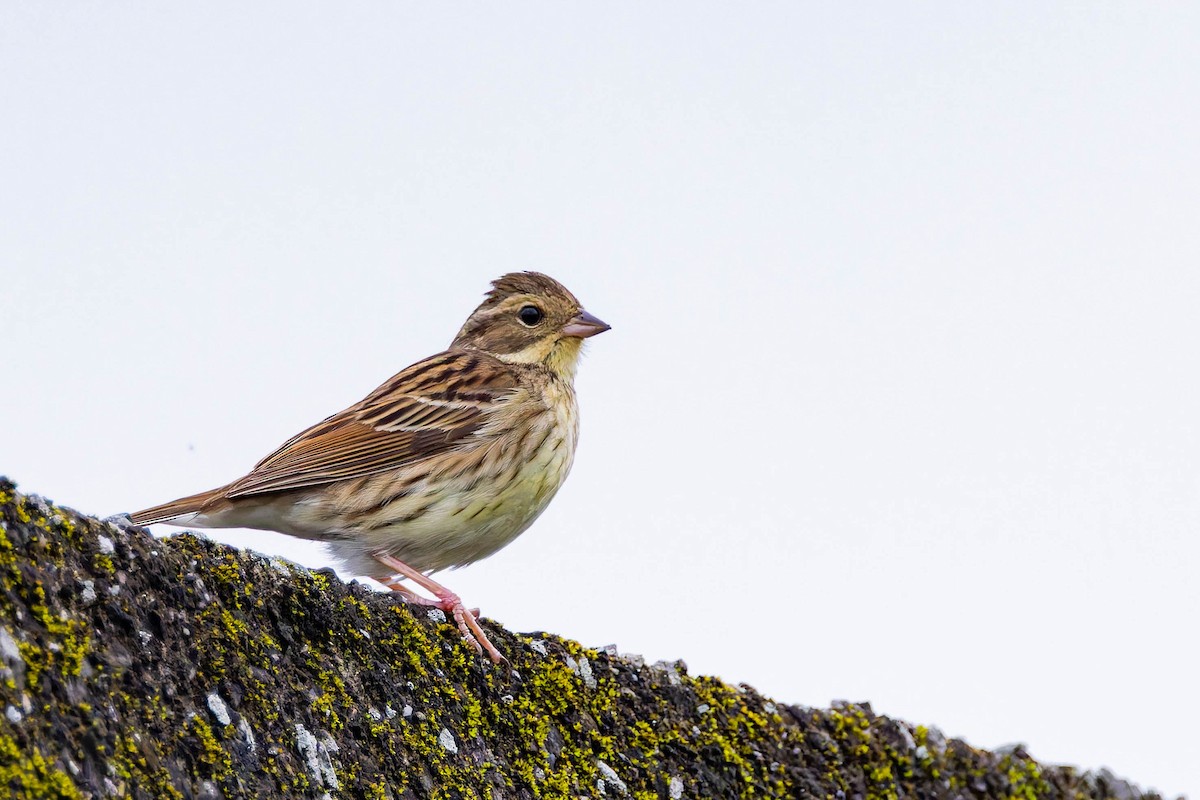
{"x":432,"y":407}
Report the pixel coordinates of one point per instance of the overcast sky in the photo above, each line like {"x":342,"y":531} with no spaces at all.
{"x":900,"y":400}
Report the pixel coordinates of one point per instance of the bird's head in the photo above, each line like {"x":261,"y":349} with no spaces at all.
{"x":530,"y":318}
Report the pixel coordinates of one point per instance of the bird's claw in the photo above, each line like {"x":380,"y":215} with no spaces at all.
{"x":466,"y":619}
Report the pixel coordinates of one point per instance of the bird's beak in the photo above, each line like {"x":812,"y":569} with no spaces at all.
{"x":584,"y":325}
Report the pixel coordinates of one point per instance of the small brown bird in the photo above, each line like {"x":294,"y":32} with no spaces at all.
{"x":442,"y":465}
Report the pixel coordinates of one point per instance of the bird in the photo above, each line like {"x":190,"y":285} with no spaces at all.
{"x":442,"y":465}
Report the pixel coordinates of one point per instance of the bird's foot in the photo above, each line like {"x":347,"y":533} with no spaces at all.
{"x":468,"y":625}
{"x":409,"y":596}
{"x":466,"y":619}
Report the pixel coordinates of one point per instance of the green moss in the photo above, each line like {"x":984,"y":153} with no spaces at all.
{"x":27,"y":774}
{"x":1025,"y":781}
{"x":67,"y":641}
{"x":320,"y":580}
{"x":137,"y":761}
{"x":8,"y":558}
{"x":732,"y":727}
{"x":210,"y":753}
{"x":333,"y":700}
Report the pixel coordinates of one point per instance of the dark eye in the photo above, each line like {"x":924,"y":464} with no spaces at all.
{"x":530,"y":315}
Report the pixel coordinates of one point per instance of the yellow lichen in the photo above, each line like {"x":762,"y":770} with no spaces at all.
{"x":28,"y":774}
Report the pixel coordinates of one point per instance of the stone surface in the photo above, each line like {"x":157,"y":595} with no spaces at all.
{"x":181,"y":668}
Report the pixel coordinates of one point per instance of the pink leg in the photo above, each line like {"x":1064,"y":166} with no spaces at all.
{"x":446,"y":600}
{"x":408,"y":594}
{"x":417,"y":599}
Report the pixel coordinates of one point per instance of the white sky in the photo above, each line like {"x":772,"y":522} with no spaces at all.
{"x":900,"y":400}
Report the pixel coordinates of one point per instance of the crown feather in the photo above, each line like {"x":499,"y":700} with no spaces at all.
{"x":526,"y":283}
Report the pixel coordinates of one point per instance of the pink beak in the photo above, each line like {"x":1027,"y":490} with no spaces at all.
{"x":584,"y":325}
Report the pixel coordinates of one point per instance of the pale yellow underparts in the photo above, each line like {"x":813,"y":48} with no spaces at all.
{"x":464,"y":505}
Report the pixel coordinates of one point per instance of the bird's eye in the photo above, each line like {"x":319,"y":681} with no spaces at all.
{"x":530,"y":316}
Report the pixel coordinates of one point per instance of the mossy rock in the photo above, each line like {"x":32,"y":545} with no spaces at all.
{"x":179,"y":668}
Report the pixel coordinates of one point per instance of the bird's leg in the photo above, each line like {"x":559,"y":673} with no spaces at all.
{"x":395,"y":583}
{"x":446,"y":600}
{"x":408,"y":594}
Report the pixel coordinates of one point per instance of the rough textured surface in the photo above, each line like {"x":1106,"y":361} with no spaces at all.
{"x":179,"y":668}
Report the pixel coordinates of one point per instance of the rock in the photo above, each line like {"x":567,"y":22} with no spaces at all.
{"x":189,"y":669}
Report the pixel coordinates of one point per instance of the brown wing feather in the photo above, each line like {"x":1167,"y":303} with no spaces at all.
{"x":431,"y":407}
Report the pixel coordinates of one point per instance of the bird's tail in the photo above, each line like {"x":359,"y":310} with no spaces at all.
{"x":183,"y":511}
